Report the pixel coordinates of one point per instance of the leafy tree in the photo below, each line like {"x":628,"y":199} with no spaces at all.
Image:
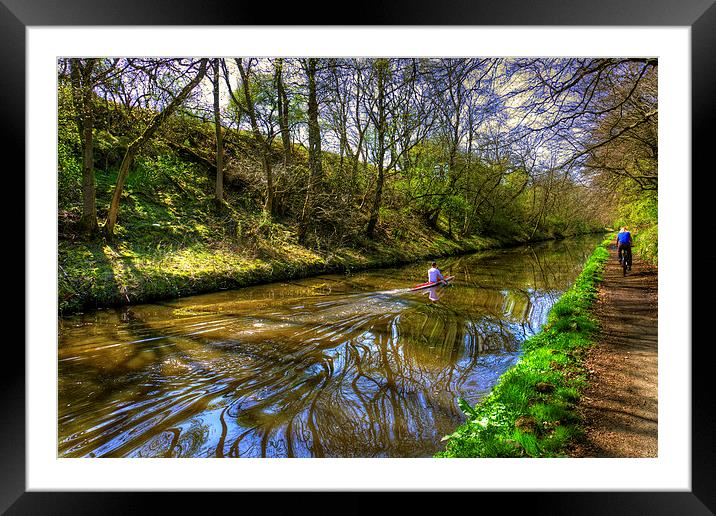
{"x":149,"y":131}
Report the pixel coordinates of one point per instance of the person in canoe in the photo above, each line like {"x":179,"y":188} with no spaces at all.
{"x":434,"y":274}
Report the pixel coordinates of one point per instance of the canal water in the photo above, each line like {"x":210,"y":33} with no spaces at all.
{"x":331,"y":366}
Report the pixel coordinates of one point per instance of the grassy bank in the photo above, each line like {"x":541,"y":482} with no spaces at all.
{"x":531,"y":411}
{"x":99,"y":274}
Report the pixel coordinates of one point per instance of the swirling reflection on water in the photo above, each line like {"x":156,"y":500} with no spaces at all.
{"x":332,"y":366}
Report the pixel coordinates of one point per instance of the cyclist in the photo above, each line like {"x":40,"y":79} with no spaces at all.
{"x":624,"y":242}
{"x":619,"y":254}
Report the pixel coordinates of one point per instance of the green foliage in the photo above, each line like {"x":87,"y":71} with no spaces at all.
{"x":108,"y":148}
{"x":647,"y":244}
{"x":69,"y":154}
{"x":639,"y":213}
{"x":455,"y":206}
{"x":491,"y":197}
{"x":153,"y":173}
{"x":530,"y":412}
{"x":69,"y":176}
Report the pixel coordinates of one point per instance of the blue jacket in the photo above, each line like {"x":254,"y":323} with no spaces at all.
{"x":624,"y":237}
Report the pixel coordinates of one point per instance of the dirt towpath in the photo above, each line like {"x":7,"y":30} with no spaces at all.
{"x":620,"y":405}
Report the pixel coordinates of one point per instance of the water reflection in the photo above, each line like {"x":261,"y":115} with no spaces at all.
{"x":331,"y":366}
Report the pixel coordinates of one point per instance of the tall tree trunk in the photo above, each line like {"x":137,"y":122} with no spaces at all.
{"x":282,"y":99}
{"x":138,"y":143}
{"x":81,"y":77}
{"x":467,"y":222}
{"x":219,"y":191}
{"x":361,"y":135}
{"x":545,"y":199}
{"x":381,"y":130}
{"x":375,"y":209}
{"x":315,"y":176}
{"x":344,"y":148}
{"x":260,"y":142}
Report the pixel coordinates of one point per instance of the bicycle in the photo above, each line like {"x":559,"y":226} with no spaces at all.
{"x":625,"y":258}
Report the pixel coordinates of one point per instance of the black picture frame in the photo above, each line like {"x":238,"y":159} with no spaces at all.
{"x":699,"y":15}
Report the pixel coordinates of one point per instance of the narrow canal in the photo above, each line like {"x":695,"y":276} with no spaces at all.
{"x":330,"y":366}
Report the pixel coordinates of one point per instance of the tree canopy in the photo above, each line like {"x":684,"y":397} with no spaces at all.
{"x":349,"y":146}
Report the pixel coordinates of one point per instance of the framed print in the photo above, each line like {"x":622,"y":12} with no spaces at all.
{"x":35,"y":35}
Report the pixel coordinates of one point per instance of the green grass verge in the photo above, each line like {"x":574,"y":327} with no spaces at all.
{"x":531,"y":411}
{"x":98,"y":274}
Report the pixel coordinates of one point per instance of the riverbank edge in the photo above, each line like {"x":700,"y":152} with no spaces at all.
{"x":134,"y":282}
{"x":532,"y":410}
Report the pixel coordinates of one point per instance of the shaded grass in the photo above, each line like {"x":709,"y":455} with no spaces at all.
{"x":531,"y":411}
{"x":98,"y":274}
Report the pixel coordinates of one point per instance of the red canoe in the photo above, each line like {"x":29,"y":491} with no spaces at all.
{"x":428,"y":285}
